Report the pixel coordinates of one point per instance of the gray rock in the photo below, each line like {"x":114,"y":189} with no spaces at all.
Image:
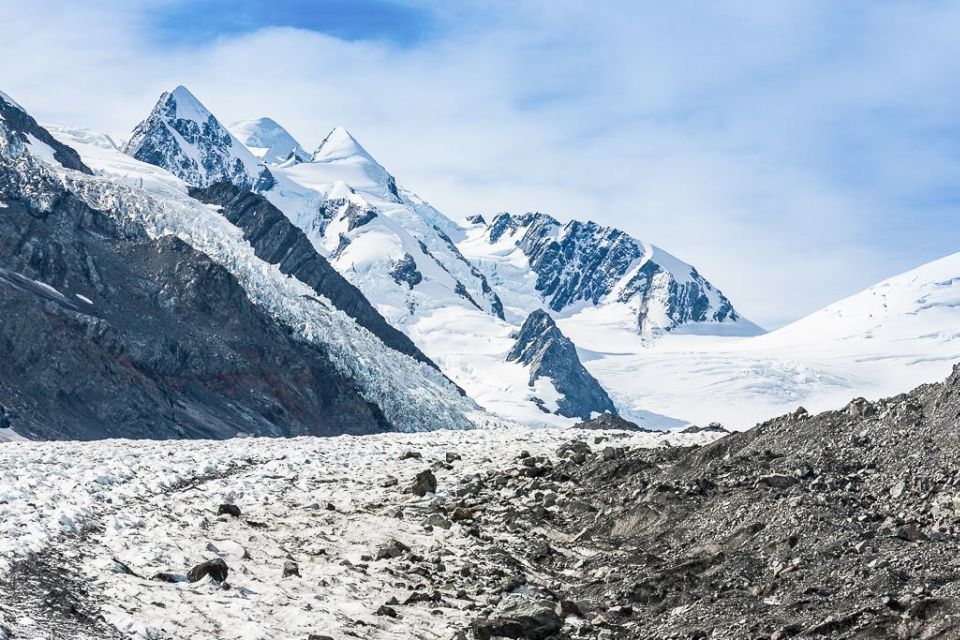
{"x":550,"y":354}
{"x":229,"y":509}
{"x":520,"y":618}
{"x":217,"y":569}
{"x":390,"y":550}
{"x":424,"y":483}
{"x":290,"y":569}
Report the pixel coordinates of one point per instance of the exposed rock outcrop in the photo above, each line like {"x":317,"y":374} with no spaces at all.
{"x":550,"y":354}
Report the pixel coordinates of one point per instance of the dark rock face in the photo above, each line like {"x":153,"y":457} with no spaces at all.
{"x":278,"y":241}
{"x":543,"y":347}
{"x":477,"y":219}
{"x":424,"y":483}
{"x":107,"y":333}
{"x":612,"y":422}
{"x":22,"y":125}
{"x":229,"y":509}
{"x":842,"y":524}
{"x":212,"y":153}
{"x":405,"y":271}
{"x":583,"y":261}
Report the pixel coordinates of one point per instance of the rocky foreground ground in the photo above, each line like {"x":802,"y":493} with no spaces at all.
{"x":842,"y":525}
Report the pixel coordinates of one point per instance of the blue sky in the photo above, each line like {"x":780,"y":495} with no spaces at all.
{"x":794,"y":151}
{"x":193,"y":23}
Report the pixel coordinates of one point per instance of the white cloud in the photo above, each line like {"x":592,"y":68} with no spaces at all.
{"x":794,"y":151}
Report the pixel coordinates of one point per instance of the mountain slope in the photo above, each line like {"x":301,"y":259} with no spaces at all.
{"x":180,"y":135}
{"x":268,"y":348}
{"x":279,"y":242}
{"x":268,"y":141}
{"x":109,"y":333}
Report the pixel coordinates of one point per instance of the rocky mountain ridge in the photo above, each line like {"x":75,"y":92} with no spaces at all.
{"x":580,"y":263}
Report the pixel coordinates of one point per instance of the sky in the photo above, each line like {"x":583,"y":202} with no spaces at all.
{"x":795,"y":152}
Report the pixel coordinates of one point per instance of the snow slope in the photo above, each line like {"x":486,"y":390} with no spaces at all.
{"x":897,"y":334}
{"x":268,"y":141}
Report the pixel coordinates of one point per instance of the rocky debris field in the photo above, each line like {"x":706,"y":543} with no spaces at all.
{"x":384,"y":536}
{"x":841,"y":525}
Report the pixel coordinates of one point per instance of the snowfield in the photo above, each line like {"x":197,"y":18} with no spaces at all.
{"x":104,"y":518}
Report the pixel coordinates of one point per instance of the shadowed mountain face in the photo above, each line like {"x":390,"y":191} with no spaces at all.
{"x":167,"y":346}
{"x":550,"y":354}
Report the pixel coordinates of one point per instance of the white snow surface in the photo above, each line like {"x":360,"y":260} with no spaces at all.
{"x":885,"y":340}
{"x":153,"y":506}
{"x":267,"y":140}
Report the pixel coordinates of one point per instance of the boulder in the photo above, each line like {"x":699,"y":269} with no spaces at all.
{"x":520,"y":618}
{"x":217,"y":570}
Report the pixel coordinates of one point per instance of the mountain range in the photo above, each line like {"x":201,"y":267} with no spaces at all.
{"x":203,"y":280}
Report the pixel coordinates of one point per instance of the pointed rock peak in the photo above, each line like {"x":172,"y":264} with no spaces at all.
{"x":543,"y":347}
{"x":188,"y":107}
{"x":539,"y":319}
{"x":340,"y":145}
{"x":183,"y":137}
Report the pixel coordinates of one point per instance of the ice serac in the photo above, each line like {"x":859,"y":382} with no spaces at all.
{"x":183,"y":137}
{"x":584,"y":263}
{"x":277,"y":241}
{"x":268,"y":141}
{"x":550,"y":354}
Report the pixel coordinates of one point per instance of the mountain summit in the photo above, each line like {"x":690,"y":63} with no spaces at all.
{"x":268,"y":141}
{"x":183,"y":137}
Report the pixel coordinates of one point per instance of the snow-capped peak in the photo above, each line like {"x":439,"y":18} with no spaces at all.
{"x":187,"y":105}
{"x":182,"y":136}
{"x":341,"y":158}
{"x":269,"y":141}
{"x":341,"y":145}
